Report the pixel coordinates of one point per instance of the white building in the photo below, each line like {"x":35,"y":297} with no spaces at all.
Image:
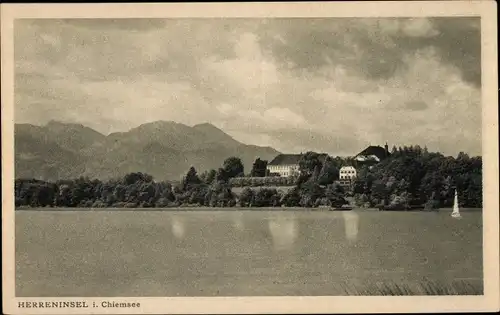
{"x":347,"y":173}
{"x":285,"y":165}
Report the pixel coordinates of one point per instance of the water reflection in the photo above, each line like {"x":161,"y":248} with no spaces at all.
{"x":284,"y":231}
{"x":351,"y":223}
{"x":237,"y":218}
{"x":178,"y":228}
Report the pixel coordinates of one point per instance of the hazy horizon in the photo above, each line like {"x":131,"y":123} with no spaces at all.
{"x":422,"y":145}
{"x":332,"y":85}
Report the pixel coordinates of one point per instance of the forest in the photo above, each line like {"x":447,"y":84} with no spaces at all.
{"x":409,"y":176}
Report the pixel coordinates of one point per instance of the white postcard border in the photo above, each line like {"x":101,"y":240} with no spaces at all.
{"x":244,"y":305}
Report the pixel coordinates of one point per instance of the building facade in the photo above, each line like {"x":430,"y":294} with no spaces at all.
{"x":284,"y":165}
{"x":347,"y":174}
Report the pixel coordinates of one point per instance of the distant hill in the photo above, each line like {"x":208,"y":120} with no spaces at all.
{"x":163,"y":149}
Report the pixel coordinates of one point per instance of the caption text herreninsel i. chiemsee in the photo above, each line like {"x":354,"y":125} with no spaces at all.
{"x":77,"y":304}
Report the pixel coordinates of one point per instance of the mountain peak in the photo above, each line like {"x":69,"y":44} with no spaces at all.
{"x":61,"y":124}
{"x":215,"y":134}
{"x":55,"y":122}
{"x":54,"y":126}
{"x":163,"y":149}
{"x":160,"y":124}
{"x":205,"y":125}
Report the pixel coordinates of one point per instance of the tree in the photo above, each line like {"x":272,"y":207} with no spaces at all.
{"x":411,"y":176}
{"x":210,"y":176}
{"x":310,"y":191}
{"x":147,"y":195}
{"x":133,"y":178}
{"x":432,"y":203}
{"x":291,"y":198}
{"x":463,"y":156}
{"x":266,"y":197}
{"x":191,"y":179}
{"x":400,"y":201}
{"x":198,"y":194}
{"x":431,"y":185}
{"x":402,"y":186}
{"x":308,"y":163}
{"x":259,"y":168}
{"x":315,"y":175}
{"x":166,"y":195}
{"x":394,"y":150}
{"x":334,"y":194}
{"x":247,"y":197}
{"x":379,"y":192}
{"x":233,"y":167}
{"x":423,"y":178}
{"x":221,"y":176}
{"x":358,"y":186}
{"x":219,"y":194}
{"x":329,"y":172}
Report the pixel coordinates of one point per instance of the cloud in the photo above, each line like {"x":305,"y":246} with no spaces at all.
{"x":331,"y":85}
{"x":374,"y":47}
{"x":419,"y":28}
{"x":124,"y":24}
{"x":416,"y":105}
{"x":284,"y":116}
{"x":255,"y":120}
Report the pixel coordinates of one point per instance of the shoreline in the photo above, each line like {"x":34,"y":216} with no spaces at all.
{"x":234,"y":209}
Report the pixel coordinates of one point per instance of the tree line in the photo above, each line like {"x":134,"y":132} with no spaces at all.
{"x":414,"y":176}
{"x":410,"y":176}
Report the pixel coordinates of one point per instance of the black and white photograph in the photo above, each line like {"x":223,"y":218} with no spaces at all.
{"x":248,"y":156}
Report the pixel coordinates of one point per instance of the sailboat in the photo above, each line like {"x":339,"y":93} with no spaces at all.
{"x":456,"y":212}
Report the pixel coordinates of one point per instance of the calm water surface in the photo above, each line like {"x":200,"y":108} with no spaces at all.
{"x":229,"y":253}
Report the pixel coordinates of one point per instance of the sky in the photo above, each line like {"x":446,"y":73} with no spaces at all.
{"x":331,"y":85}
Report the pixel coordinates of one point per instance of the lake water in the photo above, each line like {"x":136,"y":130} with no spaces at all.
{"x":239,"y":253}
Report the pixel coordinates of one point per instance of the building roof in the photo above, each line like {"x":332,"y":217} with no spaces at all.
{"x":373,"y":150}
{"x":347,"y":168}
{"x":286,"y":159}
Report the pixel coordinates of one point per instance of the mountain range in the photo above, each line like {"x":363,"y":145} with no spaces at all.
{"x":163,"y":149}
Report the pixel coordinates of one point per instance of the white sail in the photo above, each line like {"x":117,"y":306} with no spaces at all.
{"x":456,"y":212}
